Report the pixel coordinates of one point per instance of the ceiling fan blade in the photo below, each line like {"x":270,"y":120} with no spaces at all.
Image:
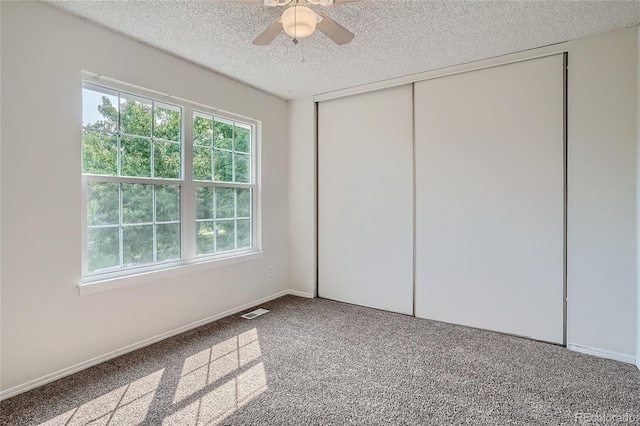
{"x":267,"y":36}
{"x":336,"y":32}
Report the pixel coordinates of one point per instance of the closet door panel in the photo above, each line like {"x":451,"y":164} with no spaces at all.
{"x":490,"y":203}
{"x":365,"y":199}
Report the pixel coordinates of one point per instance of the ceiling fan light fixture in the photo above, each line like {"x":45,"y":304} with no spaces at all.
{"x":299,"y":21}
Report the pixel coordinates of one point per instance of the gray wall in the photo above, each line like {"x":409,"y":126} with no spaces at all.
{"x":302,"y":195}
{"x":602,"y":192}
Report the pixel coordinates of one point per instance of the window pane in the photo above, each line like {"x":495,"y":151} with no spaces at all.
{"x":135,"y":157}
{"x":204,"y":202}
{"x":103,"y":245}
{"x":168,"y":242}
{"x":244,"y":233}
{"x":103,"y":203}
{"x":202,"y":131}
{"x":166,"y":160}
{"x":167,"y":203}
{"x":204,"y":237}
{"x":137,"y":246}
{"x":99,"y":110}
{"x":223,"y":135}
{"x":137,"y":203}
{"x":243,"y":139}
{"x":225,"y":235}
{"x":243,"y":168}
{"x":224,"y":203}
{"x":201,"y":163}
{"x":167,"y":123}
{"x":223,"y":161}
{"x":244,"y":202}
{"x":135,"y":115}
{"x":99,"y":153}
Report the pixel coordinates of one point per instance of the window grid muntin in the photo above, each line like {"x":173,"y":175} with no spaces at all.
{"x":215,"y":217}
{"x":154,"y":232}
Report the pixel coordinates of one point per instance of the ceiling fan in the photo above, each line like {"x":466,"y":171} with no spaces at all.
{"x":299,"y":21}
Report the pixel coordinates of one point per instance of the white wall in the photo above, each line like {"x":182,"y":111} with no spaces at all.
{"x":46,"y":325}
{"x":302,"y":196}
{"x":0,"y":187}
{"x":638,"y":212}
{"x":602,"y":272}
{"x":602,"y":135}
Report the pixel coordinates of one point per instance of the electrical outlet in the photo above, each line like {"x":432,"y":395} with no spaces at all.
{"x":271,"y":270}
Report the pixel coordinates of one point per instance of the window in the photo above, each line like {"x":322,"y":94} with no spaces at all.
{"x":222,"y":168}
{"x":146,"y":207}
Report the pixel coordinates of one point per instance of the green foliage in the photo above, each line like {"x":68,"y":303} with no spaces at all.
{"x":167,"y":124}
{"x":243,"y":140}
{"x":204,"y":237}
{"x":166,"y":160}
{"x":223,"y":135}
{"x":217,"y":145}
{"x":99,"y":153}
{"x":135,"y":117}
{"x":223,"y":165}
{"x":202,"y":131}
{"x":104,"y":248}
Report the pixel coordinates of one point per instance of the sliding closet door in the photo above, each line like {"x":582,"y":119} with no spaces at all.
{"x":490,"y":198}
{"x":365,"y":200}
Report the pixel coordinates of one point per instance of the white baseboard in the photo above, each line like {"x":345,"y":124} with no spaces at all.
{"x":301,"y":294}
{"x":630,"y":359}
{"x":146,"y":342}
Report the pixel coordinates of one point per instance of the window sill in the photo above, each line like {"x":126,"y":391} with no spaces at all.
{"x":186,"y":268}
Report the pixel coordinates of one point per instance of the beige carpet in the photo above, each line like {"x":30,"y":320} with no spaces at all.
{"x":317,"y":362}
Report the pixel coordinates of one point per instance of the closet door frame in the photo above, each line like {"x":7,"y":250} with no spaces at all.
{"x":518,"y":57}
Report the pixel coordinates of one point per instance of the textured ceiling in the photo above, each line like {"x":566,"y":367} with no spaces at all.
{"x":393,"y":38}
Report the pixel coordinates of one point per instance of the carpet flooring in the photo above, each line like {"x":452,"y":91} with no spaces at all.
{"x":318,"y":362}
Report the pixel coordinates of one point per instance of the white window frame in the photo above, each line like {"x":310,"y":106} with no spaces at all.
{"x":189,"y":262}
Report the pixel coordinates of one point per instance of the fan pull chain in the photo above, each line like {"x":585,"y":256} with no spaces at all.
{"x":302,"y":51}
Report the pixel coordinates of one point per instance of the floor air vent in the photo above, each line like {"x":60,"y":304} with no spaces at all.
{"x":253,"y":314}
